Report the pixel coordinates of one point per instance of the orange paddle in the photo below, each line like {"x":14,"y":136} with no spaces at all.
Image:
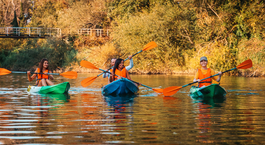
{"x":90,"y":80}
{"x":68,"y":74}
{"x":148,"y":46}
{"x":169,"y":91}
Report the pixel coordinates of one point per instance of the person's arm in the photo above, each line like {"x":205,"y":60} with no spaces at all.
{"x":216,"y":78}
{"x":110,"y":78}
{"x":129,"y":78}
{"x":130,"y":66}
{"x":196,"y":78}
{"x":30,"y":78}
{"x":219,"y":76}
{"x":51,"y":76}
{"x":127,"y":74}
{"x":106,"y":74}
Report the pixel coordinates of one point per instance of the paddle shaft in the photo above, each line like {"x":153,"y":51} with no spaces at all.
{"x":134,"y":54}
{"x":124,"y":60}
{"x":209,"y":77}
{"x":130,"y":80}
{"x":19,"y":72}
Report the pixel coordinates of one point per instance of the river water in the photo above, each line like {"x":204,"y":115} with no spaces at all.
{"x":85,"y":116}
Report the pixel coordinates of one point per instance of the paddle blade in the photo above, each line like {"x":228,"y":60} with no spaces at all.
{"x":88,"y":64}
{"x":245,"y":65}
{"x":150,"y":45}
{"x":86,"y":82}
{"x":159,"y":91}
{"x":169,"y":91}
{"x":69,"y":74}
{"x":4,"y":71}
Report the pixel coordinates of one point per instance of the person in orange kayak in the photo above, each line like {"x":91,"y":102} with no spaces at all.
{"x":205,"y":72}
{"x":42,"y":74}
{"x":119,"y":70}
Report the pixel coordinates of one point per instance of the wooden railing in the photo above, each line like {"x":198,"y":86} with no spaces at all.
{"x":36,"y":32}
{"x":94,"y":32}
{"x":29,"y":32}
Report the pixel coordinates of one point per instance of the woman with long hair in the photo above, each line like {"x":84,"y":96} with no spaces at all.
{"x":42,"y":74}
{"x":119,"y":70}
{"x":112,"y":63}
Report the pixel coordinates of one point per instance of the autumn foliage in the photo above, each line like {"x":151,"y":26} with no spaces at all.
{"x":227,"y":32}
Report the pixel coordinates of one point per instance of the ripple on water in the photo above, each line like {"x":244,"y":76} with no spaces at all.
{"x":10,"y":92}
{"x":84,"y":116}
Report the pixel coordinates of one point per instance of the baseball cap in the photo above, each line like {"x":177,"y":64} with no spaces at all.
{"x":203,"y":58}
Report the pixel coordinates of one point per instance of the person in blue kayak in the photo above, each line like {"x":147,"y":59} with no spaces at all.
{"x":43,"y":78}
{"x":205,"y":72}
{"x":119,"y":70}
{"x":113,"y":60}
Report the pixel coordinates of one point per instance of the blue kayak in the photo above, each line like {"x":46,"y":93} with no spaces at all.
{"x":120,"y":87}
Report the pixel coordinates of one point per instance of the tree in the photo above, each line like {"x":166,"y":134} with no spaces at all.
{"x":14,"y":23}
{"x":171,"y":28}
{"x":21,"y":17}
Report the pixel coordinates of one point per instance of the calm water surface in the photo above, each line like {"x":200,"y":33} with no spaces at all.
{"x":85,"y":116}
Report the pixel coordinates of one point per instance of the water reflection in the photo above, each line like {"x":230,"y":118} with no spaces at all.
{"x":213,"y":102}
{"x":116,"y":101}
{"x":120,"y":116}
{"x":204,"y":123}
{"x":85,"y":116}
{"x":48,"y":99}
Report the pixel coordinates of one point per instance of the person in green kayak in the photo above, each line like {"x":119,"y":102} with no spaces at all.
{"x":205,"y":72}
{"x":43,"y":78}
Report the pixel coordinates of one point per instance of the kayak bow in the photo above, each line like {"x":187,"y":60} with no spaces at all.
{"x":213,"y":91}
{"x":55,"y":89}
{"x":119,"y":87}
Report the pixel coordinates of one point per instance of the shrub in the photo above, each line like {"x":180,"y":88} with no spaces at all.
{"x":29,"y":54}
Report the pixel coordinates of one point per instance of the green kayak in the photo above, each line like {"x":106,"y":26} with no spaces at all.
{"x":55,"y":89}
{"x":213,"y":91}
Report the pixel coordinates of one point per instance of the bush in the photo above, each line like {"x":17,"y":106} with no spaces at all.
{"x":28,"y":55}
{"x":168,"y":26}
{"x":99,"y":55}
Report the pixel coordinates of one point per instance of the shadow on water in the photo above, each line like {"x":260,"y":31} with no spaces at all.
{"x":49,"y":99}
{"x":213,"y":102}
{"x":58,"y":97}
{"x":115,"y":101}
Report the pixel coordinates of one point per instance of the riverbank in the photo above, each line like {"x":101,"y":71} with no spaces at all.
{"x":241,"y":73}
{"x":100,"y":56}
{"x":64,"y":56}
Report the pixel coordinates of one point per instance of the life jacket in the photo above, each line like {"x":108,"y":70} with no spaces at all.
{"x":42,"y":76}
{"x":121,"y":73}
{"x":206,"y":82}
